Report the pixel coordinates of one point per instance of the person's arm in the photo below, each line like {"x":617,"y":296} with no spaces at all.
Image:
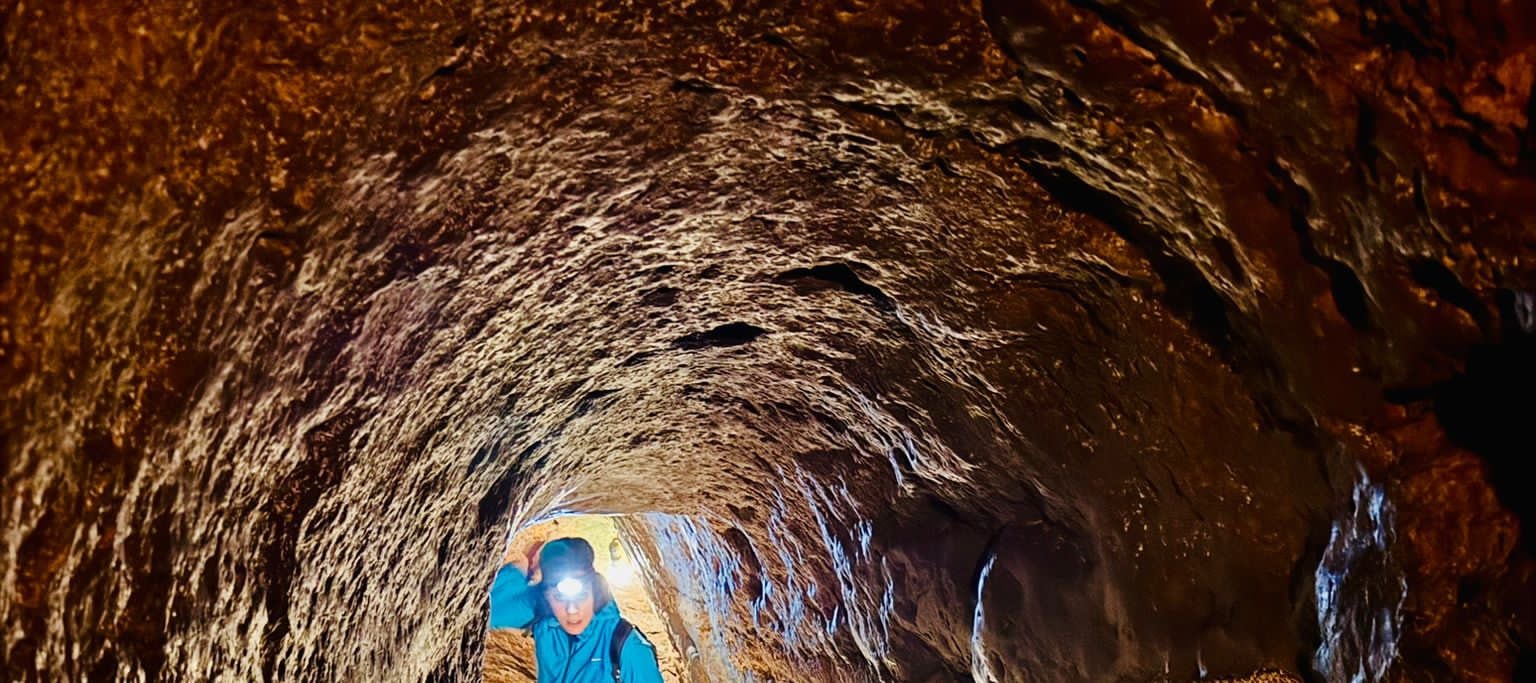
{"x":514,"y":603}
{"x":638,"y":660}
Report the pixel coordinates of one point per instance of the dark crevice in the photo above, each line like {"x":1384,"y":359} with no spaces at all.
{"x":1487,"y":410}
{"x":943,"y":164}
{"x":1435,"y":276}
{"x":274,"y":256}
{"x":729,"y":334}
{"x":636,"y":358}
{"x":1407,"y":395}
{"x":1365,"y":140}
{"x":1292,"y":33}
{"x":589,"y":401}
{"x":1525,"y":666}
{"x":5,"y":43}
{"x":661,"y":297}
{"x":460,"y":57}
{"x":283,"y":236}
{"x":840,"y":275}
{"x":498,"y":500}
{"x":1227,"y":257}
{"x":105,"y":670}
{"x":482,"y":454}
{"x":751,"y":572}
{"x":1187,"y":291}
{"x":1476,"y":131}
{"x":1391,"y":28}
{"x":1349,"y":294}
{"x":770,"y":37}
{"x":694,"y":84}
{"x":778,"y":39}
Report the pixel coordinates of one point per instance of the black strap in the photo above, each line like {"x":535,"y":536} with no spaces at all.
{"x":616,"y":646}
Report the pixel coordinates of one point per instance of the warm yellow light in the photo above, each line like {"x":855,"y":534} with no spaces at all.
{"x":621,"y":574}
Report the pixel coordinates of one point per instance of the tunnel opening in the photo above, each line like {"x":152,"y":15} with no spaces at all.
{"x":627,"y":564}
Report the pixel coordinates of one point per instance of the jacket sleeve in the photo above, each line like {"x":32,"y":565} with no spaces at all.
{"x":639,"y":660}
{"x":514,"y":603}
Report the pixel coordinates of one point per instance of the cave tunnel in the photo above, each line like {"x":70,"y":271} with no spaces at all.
{"x":1010,"y":340}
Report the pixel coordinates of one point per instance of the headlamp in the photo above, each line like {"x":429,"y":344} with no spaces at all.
{"x":570,"y":588}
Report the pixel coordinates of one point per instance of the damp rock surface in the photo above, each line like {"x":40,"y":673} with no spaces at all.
{"x":1017,"y":340}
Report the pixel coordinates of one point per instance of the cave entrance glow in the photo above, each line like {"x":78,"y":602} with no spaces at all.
{"x":509,"y":653}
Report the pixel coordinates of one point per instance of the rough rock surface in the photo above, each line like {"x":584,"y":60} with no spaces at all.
{"x":1013,"y":340}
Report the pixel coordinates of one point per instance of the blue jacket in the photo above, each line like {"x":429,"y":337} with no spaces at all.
{"x":561,"y":657}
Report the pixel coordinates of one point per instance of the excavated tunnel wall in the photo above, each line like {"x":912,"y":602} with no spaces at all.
{"x":1006,"y":341}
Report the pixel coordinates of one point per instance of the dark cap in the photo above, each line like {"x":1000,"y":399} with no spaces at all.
{"x":565,"y":557}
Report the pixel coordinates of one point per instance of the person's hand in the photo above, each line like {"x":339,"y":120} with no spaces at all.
{"x":527,"y":562}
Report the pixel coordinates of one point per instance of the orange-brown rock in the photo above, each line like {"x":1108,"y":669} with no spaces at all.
{"x":1046,"y":340}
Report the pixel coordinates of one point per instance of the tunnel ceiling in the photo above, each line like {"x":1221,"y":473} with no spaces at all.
{"x":1049,"y":341}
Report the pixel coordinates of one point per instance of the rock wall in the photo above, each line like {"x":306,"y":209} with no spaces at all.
{"x":1043,"y":340}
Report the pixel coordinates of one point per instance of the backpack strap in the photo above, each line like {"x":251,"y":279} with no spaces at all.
{"x":616,"y":646}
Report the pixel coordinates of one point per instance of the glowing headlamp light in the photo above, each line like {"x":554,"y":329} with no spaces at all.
{"x":570,"y":588}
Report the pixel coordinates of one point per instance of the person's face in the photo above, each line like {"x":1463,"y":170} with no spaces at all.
{"x":573,"y":614}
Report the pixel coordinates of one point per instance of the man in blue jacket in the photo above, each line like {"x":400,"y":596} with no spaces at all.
{"x":578,"y":635}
